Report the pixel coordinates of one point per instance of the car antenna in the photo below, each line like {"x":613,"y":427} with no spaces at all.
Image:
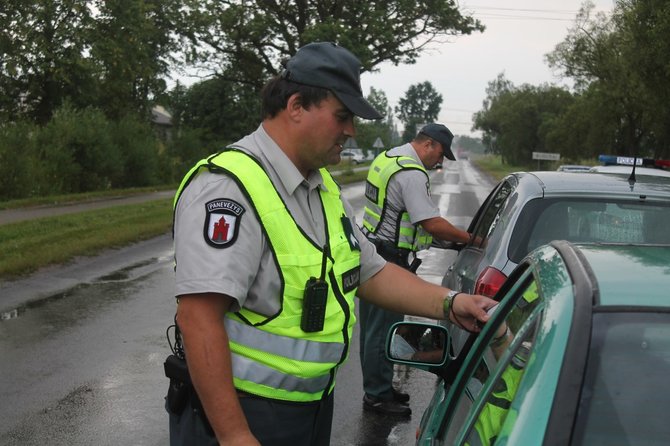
{"x":631,"y":178}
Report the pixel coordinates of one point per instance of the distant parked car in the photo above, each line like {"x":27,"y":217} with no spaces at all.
{"x":352,"y":157}
{"x":573,"y":168}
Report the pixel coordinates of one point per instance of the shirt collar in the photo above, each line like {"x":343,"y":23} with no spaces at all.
{"x":286,"y":171}
{"x":411,"y":151}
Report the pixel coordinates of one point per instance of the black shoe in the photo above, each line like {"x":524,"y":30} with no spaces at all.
{"x":389,"y":407}
{"x":400,"y":397}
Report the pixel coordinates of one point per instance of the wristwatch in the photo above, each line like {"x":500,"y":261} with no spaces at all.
{"x":448,"y":300}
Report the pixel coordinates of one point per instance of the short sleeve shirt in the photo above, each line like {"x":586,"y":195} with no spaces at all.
{"x":245,"y":269}
{"x":408,"y":190}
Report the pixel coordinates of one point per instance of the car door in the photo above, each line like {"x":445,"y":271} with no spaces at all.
{"x":463,"y":273}
{"x":478,"y":400}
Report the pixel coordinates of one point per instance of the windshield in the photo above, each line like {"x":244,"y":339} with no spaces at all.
{"x":625,"y":392}
{"x":588,"y":221}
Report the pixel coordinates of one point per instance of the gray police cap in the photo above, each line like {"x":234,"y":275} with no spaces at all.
{"x":441,"y":134}
{"x":327,"y":65}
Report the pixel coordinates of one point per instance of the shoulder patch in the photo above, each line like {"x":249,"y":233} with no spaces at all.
{"x":222,"y":222}
{"x":371,"y":192}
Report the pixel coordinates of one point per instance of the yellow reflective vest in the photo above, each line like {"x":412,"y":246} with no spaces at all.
{"x":382,"y":169}
{"x":272,"y":356}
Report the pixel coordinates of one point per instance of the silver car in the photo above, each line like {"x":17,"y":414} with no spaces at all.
{"x":529,"y":209}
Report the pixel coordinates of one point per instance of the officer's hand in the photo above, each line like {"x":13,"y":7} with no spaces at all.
{"x":467,"y":309}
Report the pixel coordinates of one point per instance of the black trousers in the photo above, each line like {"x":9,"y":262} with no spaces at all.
{"x":375,"y":323}
{"x":273,"y":423}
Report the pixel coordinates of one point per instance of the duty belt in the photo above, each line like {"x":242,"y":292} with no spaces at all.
{"x":390,"y":252}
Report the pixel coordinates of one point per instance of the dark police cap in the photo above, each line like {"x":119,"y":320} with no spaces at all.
{"x":441,"y":134}
{"x":327,"y":65}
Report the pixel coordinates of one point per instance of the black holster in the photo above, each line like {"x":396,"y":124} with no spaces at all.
{"x":180,"y":389}
{"x":181,"y":394}
{"x":391,"y":253}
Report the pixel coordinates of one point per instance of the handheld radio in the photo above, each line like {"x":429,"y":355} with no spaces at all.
{"x":315,"y":299}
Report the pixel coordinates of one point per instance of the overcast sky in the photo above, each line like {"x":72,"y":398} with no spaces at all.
{"x":518,"y":35}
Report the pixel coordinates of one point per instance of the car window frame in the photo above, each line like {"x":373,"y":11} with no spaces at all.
{"x":508,"y":296}
{"x":478,"y":222}
{"x":529,"y":326}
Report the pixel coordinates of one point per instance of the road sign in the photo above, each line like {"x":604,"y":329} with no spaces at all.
{"x":546,"y":156}
{"x":378,"y":144}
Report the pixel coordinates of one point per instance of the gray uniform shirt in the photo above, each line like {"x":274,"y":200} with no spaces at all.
{"x":408,"y":190}
{"x":245,"y":269}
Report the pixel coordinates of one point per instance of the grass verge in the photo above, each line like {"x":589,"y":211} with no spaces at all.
{"x":492,"y":165}
{"x":59,"y":200}
{"x":30,"y":245}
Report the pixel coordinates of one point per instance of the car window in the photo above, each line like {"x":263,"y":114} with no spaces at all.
{"x":588,"y":221}
{"x":493,"y":375}
{"x":627,"y":371}
{"x":489,"y":218}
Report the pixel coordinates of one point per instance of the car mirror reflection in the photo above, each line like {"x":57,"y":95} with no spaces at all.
{"x":418,"y":344}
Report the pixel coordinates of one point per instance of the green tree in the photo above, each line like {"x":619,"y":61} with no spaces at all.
{"x":246,"y":40}
{"x":367,"y":132}
{"x":486,"y":118}
{"x":516,"y":121}
{"x":597,"y":54}
{"x":224,"y":111}
{"x":42,"y":57}
{"x":132,"y":47}
{"x":585,"y":129}
{"x":420,"y":105}
{"x":647,"y":25}
{"x":107,"y":54}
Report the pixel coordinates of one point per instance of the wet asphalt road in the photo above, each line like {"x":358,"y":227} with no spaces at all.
{"x":82,"y":345}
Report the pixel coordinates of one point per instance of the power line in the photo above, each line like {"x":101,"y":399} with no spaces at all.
{"x":512,"y":17}
{"x":494,"y":8}
{"x":459,"y":110}
{"x":488,"y":12}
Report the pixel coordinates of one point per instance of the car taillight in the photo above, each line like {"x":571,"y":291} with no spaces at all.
{"x":489,"y":282}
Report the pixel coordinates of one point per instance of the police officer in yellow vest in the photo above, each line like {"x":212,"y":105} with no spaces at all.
{"x":400,"y":219}
{"x":268,"y":259}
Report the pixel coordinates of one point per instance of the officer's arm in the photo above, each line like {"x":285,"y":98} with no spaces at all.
{"x":440,"y":228}
{"x":396,"y":289}
{"x":200,"y":319}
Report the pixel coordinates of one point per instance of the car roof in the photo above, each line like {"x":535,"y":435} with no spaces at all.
{"x":586,"y":183}
{"x":630,"y":275}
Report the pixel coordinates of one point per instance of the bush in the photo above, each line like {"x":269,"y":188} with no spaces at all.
{"x":138,"y":149}
{"x":19,"y":164}
{"x":189,"y":147}
{"x":78,"y":152}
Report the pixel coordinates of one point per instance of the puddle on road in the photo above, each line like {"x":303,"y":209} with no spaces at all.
{"x":45,"y":318}
{"x":127,"y":274}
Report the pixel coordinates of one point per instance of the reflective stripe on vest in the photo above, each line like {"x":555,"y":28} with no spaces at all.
{"x":493,"y":415}
{"x":382,"y":169}
{"x":272,"y":356}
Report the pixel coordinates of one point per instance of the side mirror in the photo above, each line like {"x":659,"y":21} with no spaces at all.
{"x":419,"y":344}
